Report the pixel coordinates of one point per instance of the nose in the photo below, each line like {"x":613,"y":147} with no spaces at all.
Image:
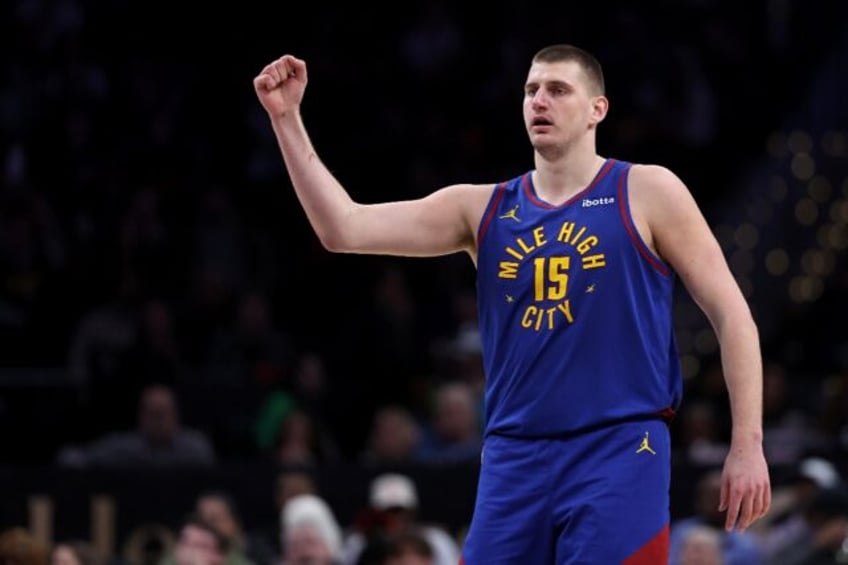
{"x":539,"y":101}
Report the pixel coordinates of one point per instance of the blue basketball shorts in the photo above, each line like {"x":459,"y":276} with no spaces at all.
{"x":598,"y":498}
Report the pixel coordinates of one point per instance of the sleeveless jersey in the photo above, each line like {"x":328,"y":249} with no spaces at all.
{"x":575,"y":312}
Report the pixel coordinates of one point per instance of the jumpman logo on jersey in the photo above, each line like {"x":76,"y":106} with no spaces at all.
{"x":510,"y":299}
{"x":645,"y":447}
{"x":590,"y":288}
{"x":511,"y":215}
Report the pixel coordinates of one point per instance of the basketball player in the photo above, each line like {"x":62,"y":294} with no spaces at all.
{"x":576,"y":263}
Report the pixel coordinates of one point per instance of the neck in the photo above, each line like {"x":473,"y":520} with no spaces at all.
{"x":562,"y":173}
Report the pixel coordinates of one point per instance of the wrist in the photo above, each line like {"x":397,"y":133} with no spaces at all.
{"x":292,"y":115}
{"x":746,"y":438}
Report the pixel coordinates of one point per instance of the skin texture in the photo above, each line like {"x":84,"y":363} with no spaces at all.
{"x":562,"y":110}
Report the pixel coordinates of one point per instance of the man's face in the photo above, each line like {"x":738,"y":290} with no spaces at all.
{"x":216,"y":513}
{"x":197,"y":546}
{"x":158,"y":417}
{"x":304,"y":546}
{"x":559,"y":104}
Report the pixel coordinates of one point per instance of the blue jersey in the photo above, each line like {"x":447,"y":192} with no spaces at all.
{"x":575,"y":312}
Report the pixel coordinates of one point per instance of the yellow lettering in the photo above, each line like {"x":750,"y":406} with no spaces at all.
{"x":565,"y":308}
{"x":524,"y":247}
{"x":565,"y":232}
{"x":587,"y":244}
{"x":528,"y":314}
{"x":539,"y":236}
{"x":535,"y":318}
{"x":539,"y":279}
{"x":551,"y":312}
{"x":509,"y":270}
{"x":514,"y":253}
{"x":594,"y":261}
{"x":579,"y":234}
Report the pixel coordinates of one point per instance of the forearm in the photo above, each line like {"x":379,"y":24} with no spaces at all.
{"x":326,"y":203}
{"x":742,"y":365}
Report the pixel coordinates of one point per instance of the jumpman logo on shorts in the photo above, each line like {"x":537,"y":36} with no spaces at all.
{"x":645,"y":447}
{"x":511,"y":215}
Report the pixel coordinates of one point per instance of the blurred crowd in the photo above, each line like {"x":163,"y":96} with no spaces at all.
{"x":153,"y":257}
{"x":807,"y":525}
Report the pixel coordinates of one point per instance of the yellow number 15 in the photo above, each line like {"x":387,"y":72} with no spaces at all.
{"x":550,"y":282}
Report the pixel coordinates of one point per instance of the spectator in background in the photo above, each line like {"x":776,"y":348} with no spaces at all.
{"x":290,"y":482}
{"x":198,"y":544}
{"x":454,"y":435}
{"x":302,"y":440}
{"x":788,"y":524}
{"x":701,"y":441}
{"x":823,"y":540}
{"x":148,"y":543}
{"x":738,"y":547}
{"x":310,"y":533}
{"x":100,"y":353}
{"x":255,"y":353}
{"x":393,"y":509}
{"x":19,"y":547}
{"x":76,"y":552}
{"x":219,"y":510}
{"x":409,"y":547}
{"x":832,"y":418}
{"x":159,"y":441}
{"x":701,"y":545}
{"x":788,"y":432}
{"x":394,"y":437}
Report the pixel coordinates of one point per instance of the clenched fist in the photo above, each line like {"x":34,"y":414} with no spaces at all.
{"x":280,"y":85}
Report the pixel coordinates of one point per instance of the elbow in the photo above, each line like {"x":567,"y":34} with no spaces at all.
{"x":334,"y":242}
{"x":337,"y":236}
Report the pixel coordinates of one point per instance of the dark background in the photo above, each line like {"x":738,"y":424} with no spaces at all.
{"x":138,"y":166}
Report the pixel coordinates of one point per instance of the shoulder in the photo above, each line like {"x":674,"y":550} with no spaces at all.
{"x":655,"y":178}
{"x":656,"y":192}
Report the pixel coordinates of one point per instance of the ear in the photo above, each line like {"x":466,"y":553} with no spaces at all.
{"x":600,"y":106}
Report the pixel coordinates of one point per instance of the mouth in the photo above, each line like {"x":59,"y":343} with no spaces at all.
{"x":540,"y":122}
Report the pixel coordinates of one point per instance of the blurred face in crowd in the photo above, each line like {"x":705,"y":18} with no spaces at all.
{"x":216,"y":512}
{"x":197,"y":546}
{"x":304,"y":546}
{"x":409,"y":557}
{"x":64,"y":555}
{"x":395,"y":435}
{"x":158,"y":416}
{"x":456,"y":419}
{"x":701,"y":548}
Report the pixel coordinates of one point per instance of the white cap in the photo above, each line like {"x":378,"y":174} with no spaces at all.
{"x":309,"y":510}
{"x":392,"y":490}
{"x":820,"y":471}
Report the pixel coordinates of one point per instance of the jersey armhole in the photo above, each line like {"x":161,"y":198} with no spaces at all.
{"x":489,"y":213}
{"x":635,"y":237}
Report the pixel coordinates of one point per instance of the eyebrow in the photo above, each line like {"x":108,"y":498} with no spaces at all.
{"x":552,"y":82}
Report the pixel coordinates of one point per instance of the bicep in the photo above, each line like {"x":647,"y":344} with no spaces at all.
{"x":438,"y":224}
{"x":684,"y":239}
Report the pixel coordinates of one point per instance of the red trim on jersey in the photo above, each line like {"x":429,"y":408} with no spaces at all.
{"x":631,"y":229}
{"x":490,"y":213}
{"x":653,"y":552}
{"x":668,"y":414}
{"x":531,"y":193}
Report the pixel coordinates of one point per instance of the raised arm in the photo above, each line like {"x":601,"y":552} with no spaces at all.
{"x":675,"y":227}
{"x":441,"y":223}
